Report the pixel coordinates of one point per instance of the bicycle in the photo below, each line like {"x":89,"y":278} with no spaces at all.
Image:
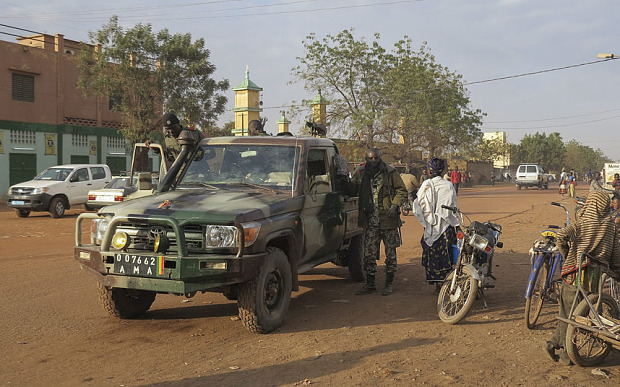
{"x":593,"y":321}
{"x":546,"y":261}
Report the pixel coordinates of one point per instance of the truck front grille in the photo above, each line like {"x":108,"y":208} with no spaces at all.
{"x":143,"y":236}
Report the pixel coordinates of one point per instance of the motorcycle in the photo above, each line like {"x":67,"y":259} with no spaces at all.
{"x":472,"y":272}
{"x":407,"y":207}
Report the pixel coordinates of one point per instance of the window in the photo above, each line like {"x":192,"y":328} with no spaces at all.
{"x":23,"y":87}
{"x":81,"y":175}
{"x":531,"y":169}
{"x":98,"y":173}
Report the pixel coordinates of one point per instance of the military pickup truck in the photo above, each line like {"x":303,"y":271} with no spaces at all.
{"x":243,"y":216}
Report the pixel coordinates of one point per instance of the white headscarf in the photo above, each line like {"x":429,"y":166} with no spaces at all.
{"x":434,"y":193}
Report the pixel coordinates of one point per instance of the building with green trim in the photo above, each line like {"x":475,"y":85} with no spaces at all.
{"x":45,"y":120}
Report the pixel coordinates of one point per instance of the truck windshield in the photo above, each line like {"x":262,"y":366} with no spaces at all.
{"x":58,"y":174}
{"x":264,"y":165}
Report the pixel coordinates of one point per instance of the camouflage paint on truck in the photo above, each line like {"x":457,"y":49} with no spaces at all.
{"x":238,"y":215}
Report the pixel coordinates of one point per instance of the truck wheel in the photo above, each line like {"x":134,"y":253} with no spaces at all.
{"x":355,"y":259}
{"x":57,"y":208}
{"x":125,"y":303}
{"x":264,"y":300}
{"x":518,"y":186}
{"x":22,"y":213}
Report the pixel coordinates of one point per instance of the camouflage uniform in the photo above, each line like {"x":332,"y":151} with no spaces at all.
{"x":373,"y":235}
{"x":388,"y":189}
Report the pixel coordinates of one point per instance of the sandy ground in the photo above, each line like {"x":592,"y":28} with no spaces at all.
{"x":53,"y":330}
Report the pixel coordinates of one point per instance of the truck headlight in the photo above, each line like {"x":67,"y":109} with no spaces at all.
{"x":226,"y":236}
{"x":98,"y":227}
{"x":220,"y":236}
{"x":40,"y":190}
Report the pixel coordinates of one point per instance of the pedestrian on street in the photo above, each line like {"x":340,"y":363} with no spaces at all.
{"x":455,"y":178}
{"x":423,"y":176}
{"x":571,"y":182}
{"x":439,"y":223}
{"x":593,"y":234}
{"x":381,"y":193}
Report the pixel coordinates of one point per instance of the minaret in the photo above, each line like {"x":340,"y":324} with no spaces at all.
{"x":247,"y":104}
{"x":319,"y":109}
{"x":283,"y":124}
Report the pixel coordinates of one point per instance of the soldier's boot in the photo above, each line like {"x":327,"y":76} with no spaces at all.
{"x":389,"y":278}
{"x":370,"y":286}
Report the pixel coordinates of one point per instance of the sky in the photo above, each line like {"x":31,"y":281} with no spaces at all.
{"x":530,"y":65}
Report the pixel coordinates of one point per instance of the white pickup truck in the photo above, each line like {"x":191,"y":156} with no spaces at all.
{"x":58,"y":188}
{"x":531,"y":175}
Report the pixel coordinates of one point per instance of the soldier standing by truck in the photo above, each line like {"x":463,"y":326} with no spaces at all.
{"x":381,"y":193}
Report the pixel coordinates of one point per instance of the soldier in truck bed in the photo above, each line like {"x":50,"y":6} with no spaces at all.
{"x":173,"y":128}
{"x":381,"y":193}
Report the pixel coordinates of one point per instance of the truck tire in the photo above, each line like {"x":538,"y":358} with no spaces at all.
{"x":518,"y":186}
{"x":57,"y":207}
{"x":264,"y":300}
{"x":22,"y":213}
{"x":125,"y":303}
{"x":355,"y":259}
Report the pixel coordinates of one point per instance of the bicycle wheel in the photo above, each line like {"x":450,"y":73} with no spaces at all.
{"x":582,"y":347}
{"x":453,"y":307}
{"x":534,"y":304}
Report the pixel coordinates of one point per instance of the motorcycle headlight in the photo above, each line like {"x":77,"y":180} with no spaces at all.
{"x":478,"y":242}
{"x":98,"y":227}
{"x":40,"y":190}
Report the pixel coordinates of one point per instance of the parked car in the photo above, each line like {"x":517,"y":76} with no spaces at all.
{"x":58,"y":188}
{"x":531,"y":175}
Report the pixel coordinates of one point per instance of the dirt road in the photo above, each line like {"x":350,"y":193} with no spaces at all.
{"x":53,"y":330}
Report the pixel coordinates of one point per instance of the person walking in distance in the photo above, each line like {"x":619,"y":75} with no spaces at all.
{"x":381,"y":192}
{"x":455,"y":178}
{"x":439,"y":223}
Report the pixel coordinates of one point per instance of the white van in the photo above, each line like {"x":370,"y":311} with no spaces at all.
{"x":531,"y":175}
{"x":58,"y":188}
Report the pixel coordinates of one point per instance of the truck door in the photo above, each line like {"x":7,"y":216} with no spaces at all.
{"x":323,"y":213}
{"x":79,"y":185}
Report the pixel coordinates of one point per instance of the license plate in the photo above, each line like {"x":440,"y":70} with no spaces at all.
{"x":138,"y":265}
{"x":105,"y":198}
{"x":17,"y":202}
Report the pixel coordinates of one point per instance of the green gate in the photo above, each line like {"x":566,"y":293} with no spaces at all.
{"x":22,"y":167}
{"x":116,"y":164}
{"x":80,"y":159}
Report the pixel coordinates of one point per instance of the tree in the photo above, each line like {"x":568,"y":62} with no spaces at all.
{"x":427,"y":105}
{"x":382,"y":97}
{"x":148,"y":72}
{"x":538,"y":148}
{"x":348,"y":72}
{"x":583,"y":158}
{"x":490,"y":150}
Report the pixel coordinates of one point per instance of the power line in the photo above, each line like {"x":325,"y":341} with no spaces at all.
{"x":551,"y":119}
{"x":560,"y":126}
{"x":538,"y":72}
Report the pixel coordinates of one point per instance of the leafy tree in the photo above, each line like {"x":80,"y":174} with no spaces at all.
{"x":538,"y":148}
{"x":427,"y":105}
{"x":583,"y":158}
{"x":145,"y":71}
{"x":489,"y":150}
{"x":214,"y":131}
{"x":348,"y":72}
{"x":388,"y":97}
